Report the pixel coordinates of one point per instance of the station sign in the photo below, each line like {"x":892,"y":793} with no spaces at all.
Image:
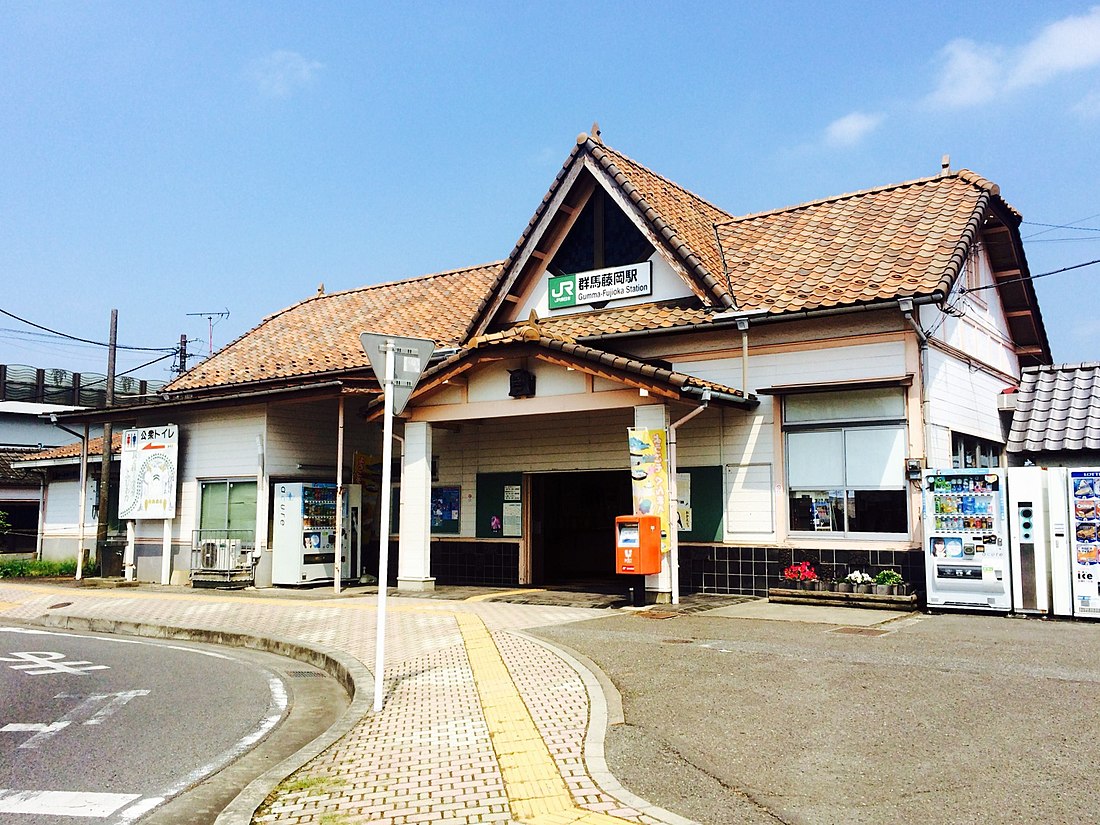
{"x":599,"y":285}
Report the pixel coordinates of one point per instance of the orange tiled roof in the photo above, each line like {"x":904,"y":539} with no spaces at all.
{"x":639,"y":318}
{"x":321,"y":334}
{"x":95,"y":448}
{"x":908,"y":239}
{"x":684,"y":219}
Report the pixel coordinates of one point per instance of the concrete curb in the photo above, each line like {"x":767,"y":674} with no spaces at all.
{"x":352,"y":675}
{"x":605,"y":708}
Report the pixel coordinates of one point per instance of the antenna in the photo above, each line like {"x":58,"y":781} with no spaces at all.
{"x":210,"y":316}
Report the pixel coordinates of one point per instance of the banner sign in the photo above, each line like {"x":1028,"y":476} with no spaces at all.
{"x":598,"y":285}
{"x":649,"y":475}
{"x":148,"y":473}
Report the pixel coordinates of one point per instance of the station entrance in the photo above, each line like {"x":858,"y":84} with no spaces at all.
{"x":572,"y":527}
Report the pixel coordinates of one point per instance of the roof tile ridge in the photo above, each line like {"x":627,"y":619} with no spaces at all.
{"x":391,"y":283}
{"x":874,"y":190}
{"x":669,"y":181}
{"x":588,"y":313}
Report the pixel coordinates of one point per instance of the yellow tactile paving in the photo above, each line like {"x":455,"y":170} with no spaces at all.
{"x":485,"y":597}
{"x":536,"y":790}
{"x":7,"y":606}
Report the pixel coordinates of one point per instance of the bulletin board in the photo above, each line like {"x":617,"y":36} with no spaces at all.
{"x":446,"y":503}
{"x":499,"y":505}
{"x":706,"y":504}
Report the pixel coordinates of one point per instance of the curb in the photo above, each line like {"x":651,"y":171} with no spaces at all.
{"x":605,"y":708}
{"x":352,"y":675}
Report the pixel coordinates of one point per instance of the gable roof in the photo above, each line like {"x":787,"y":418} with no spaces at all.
{"x":679,"y":219}
{"x":72,"y":451}
{"x":11,"y":476}
{"x":897,"y":241}
{"x":1057,"y":408}
{"x":320,"y":335}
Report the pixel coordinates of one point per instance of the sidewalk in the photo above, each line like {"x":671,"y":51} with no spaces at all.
{"x":481,"y":722}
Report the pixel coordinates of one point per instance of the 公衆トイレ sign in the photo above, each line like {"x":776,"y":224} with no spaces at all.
{"x":148,"y":473}
{"x":598,"y":285}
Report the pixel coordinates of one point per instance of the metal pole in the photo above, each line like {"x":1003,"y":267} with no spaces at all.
{"x":83,"y":515}
{"x":337,"y":563}
{"x":166,"y":554}
{"x":384,"y":528}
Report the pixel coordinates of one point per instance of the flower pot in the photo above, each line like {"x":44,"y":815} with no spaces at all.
{"x":901,"y":589}
{"x":863,"y":588}
{"x":844,"y":587}
{"x":883,"y":589}
{"x":790,"y":584}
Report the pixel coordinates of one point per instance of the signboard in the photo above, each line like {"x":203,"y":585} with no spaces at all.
{"x":410,"y":359}
{"x":649,"y":476}
{"x":599,"y":285}
{"x":150,"y":456}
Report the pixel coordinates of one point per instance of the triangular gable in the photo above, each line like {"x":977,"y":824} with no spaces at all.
{"x":679,"y":224}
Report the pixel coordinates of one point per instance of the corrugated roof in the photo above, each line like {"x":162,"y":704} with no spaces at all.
{"x":1057,"y":408}
{"x":321,"y":334}
{"x":902,"y":240}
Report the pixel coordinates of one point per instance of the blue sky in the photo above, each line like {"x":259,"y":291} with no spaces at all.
{"x":176,"y":158}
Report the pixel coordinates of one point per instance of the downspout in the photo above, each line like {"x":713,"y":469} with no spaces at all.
{"x":907,"y":309}
{"x":673,"y":499}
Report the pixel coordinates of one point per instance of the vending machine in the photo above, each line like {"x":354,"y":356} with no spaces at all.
{"x":305,"y":547}
{"x":1084,"y":541}
{"x":966,"y":539}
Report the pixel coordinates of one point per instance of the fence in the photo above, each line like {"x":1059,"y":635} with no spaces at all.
{"x":56,"y":386}
{"x":222,"y":558}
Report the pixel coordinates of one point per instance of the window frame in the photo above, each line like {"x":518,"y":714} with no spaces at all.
{"x":846,"y":425}
{"x":225,"y":524}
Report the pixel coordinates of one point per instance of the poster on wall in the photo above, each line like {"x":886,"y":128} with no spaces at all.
{"x":683,"y":502}
{"x":649,"y":475}
{"x":445,"y":509}
{"x":148,"y":473}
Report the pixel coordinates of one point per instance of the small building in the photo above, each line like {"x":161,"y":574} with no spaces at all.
{"x":805,"y":363}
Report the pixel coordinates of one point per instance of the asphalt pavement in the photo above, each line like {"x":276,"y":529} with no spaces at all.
{"x":927,"y":718}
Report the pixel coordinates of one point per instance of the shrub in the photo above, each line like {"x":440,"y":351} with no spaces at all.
{"x":888,"y":577}
{"x":34,"y":569}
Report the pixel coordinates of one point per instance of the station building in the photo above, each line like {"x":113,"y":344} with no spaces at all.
{"x":806,"y":361}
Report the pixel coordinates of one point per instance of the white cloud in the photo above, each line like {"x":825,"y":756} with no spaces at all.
{"x":1064,"y":46}
{"x":851,"y":129}
{"x":971,"y":73}
{"x":282,"y":73}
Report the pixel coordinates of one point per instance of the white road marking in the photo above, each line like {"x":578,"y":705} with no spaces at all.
{"x":40,"y":662}
{"x":34,"y":727}
{"x":138,"y":809}
{"x":63,"y":803}
{"x":110,"y":701}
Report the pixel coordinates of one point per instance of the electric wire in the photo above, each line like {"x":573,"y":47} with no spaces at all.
{"x":86,"y":340}
{"x":1031,"y":277}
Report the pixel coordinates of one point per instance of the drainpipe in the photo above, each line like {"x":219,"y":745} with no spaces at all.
{"x":907,"y":309}
{"x":673,"y":496}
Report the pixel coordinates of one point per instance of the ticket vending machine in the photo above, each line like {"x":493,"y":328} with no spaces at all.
{"x":637,"y":545}
{"x":1030,"y":530}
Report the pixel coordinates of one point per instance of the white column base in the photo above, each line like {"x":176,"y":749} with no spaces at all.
{"x":416,"y":585}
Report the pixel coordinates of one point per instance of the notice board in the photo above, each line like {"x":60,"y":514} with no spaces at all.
{"x":499,"y":505}
{"x":706,"y":504}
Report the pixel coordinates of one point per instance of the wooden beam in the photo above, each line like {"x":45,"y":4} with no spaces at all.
{"x":1007,"y":273}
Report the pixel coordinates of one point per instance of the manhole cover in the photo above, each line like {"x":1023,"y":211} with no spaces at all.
{"x":305,"y":674}
{"x":860,"y":631}
{"x":59,"y":604}
{"x":676,"y":641}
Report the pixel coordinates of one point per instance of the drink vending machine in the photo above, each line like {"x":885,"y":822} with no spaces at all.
{"x":966,"y":539}
{"x":1084,"y":541}
{"x":305,"y":547}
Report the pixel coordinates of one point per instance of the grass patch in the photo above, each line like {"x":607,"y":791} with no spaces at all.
{"x":317,"y":784}
{"x":333,"y":819}
{"x":35,"y":569}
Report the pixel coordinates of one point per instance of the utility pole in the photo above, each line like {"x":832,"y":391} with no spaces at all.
{"x":105,"y":465}
{"x":183,"y":354}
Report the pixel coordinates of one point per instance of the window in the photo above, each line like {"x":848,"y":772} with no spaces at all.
{"x":846,"y":462}
{"x":228,"y":505}
{"x":970,"y":451}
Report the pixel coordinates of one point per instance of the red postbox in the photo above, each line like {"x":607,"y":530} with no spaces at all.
{"x":638,"y":545}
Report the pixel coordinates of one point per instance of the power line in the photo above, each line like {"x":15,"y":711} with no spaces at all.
{"x":85,"y":340}
{"x":1031,"y":277}
{"x":1064,"y":226}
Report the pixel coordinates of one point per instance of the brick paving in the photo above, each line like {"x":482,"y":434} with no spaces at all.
{"x":481,"y":724}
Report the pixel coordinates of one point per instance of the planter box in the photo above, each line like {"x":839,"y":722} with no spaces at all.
{"x":782,"y":595}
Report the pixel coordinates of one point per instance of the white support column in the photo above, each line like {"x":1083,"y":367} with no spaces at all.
{"x":659,"y":585}
{"x":414,"y":545}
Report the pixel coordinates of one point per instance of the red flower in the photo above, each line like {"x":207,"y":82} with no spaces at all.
{"x":801,"y":572}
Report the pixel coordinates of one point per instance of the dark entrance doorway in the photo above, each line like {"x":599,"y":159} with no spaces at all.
{"x":572,"y":527}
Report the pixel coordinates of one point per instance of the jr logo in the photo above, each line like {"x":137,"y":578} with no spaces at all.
{"x":563,"y":291}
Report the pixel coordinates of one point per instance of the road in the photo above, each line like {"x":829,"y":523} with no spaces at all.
{"x":105,"y":728}
{"x":943,"y":718}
